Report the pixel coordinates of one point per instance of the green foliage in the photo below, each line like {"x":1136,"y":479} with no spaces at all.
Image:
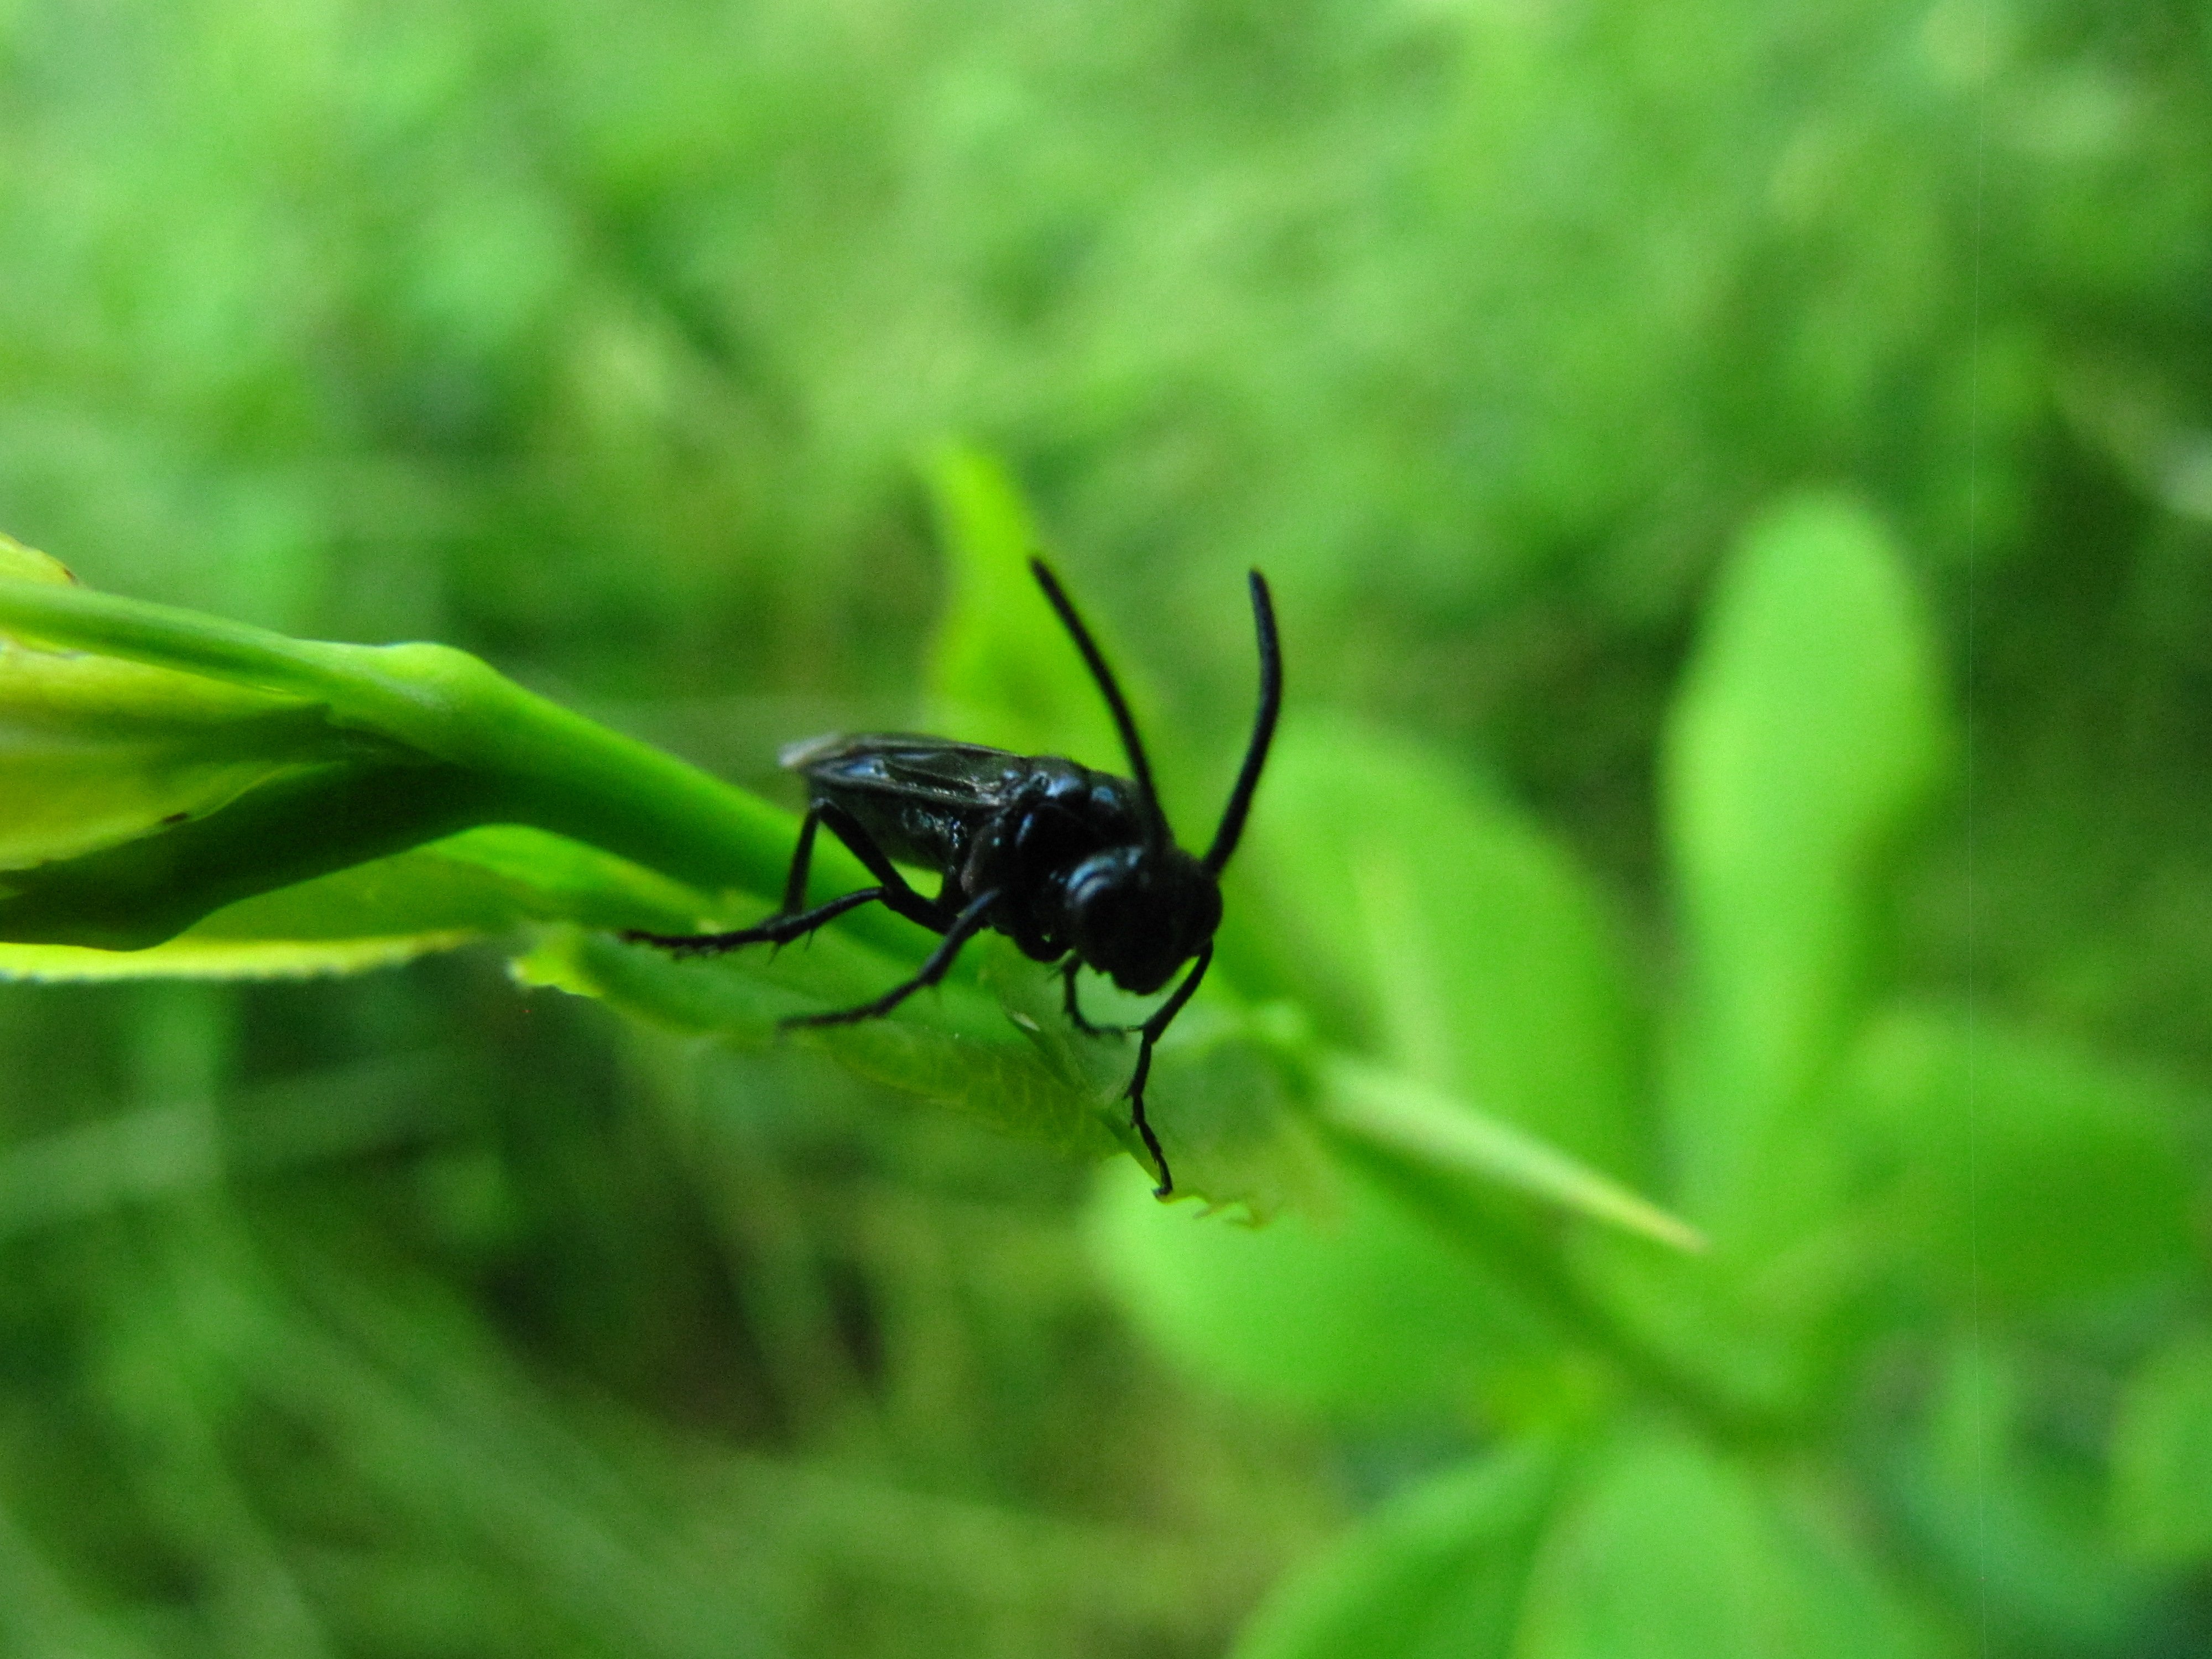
{"x":2026,"y":1171}
{"x":248,"y":761}
{"x":1991,"y":1498}
{"x":1650,"y":1546}
{"x":1735,"y":481}
{"x":1360,"y":1310}
{"x":1933,"y":1155}
{"x":429,"y":742}
{"x":1668,"y":1550}
{"x":1426,"y":949}
{"x":997,"y":673}
{"x":1809,"y":727}
{"x":2162,"y":1455}
{"x":1434,"y":927}
{"x":1436,"y":1572}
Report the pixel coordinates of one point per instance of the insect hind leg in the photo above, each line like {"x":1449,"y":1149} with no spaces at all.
{"x":790,"y":921}
{"x":964,"y":927}
{"x":779,"y":929}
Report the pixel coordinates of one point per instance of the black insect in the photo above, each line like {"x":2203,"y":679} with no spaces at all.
{"x":1077,"y":866}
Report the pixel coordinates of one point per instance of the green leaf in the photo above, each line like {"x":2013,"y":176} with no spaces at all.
{"x":1809,"y":730}
{"x":191,"y":957}
{"x":1225,"y":1096}
{"x":1002,"y":669}
{"x":313,"y":775}
{"x":296,"y":824}
{"x":2026,"y":1170}
{"x":1356,"y":1303}
{"x":291,"y":759}
{"x":955,"y":1046}
{"x":2162,"y":1456}
{"x":537,"y":876}
{"x":1434,"y":928}
{"x":2016,"y":1530}
{"x":1672,"y":1552}
{"x":1359,"y":1302}
{"x":1436,"y":1573}
{"x":28,"y":564}
{"x":98,"y":750}
{"x":1232,"y":1097}
{"x":482,"y":884}
{"x":1394,"y":1114}
{"x":1351,"y":1307}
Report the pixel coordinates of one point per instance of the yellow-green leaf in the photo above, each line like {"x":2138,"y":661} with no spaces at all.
{"x":1810,"y":727}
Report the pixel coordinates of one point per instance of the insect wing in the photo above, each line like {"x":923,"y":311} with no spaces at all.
{"x":920,"y":799}
{"x":958,"y":776}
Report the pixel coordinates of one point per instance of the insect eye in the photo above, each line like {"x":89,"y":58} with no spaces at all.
{"x":1105,"y":907}
{"x":1137,"y":916}
{"x":1100,"y":889}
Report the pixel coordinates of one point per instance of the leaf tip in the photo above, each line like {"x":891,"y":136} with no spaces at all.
{"x":28,"y":564}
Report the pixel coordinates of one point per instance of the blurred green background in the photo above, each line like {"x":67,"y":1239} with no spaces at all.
{"x":416,"y":1315}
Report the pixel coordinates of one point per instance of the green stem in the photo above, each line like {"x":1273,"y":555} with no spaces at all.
{"x":529,"y":761}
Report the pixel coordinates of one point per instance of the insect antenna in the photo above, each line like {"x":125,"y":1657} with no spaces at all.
{"x":1263,"y":729}
{"x":1156,"y":820}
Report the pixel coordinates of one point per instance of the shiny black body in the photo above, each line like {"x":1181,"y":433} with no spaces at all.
{"x":1026,"y":829}
{"x":991,"y":821}
{"x":1077,"y":866}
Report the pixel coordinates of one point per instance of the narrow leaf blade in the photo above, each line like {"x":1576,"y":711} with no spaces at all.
{"x":1395,"y":1114}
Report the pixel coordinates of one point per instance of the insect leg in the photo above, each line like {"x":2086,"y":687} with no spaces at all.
{"x":787,"y":922}
{"x":790,"y":922}
{"x":964,"y":927}
{"x":897,"y":894}
{"x":1069,"y":970}
{"x":779,"y":929}
{"x":802,"y":860}
{"x":1162,"y":1017}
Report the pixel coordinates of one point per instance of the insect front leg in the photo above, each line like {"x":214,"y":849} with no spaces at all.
{"x":1162,"y":1017}
{"x":1069,"y":970}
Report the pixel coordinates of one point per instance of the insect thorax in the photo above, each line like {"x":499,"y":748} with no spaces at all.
{"x":1062,"y":815}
